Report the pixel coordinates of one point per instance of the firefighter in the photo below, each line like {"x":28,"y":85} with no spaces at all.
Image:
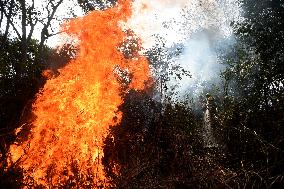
{"x":211,"y":106}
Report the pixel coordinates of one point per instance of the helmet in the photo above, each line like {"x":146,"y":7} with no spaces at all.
{"x":210,"y":98}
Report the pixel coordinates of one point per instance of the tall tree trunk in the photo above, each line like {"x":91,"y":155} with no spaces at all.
{"x":1,"y":13}
{"x":4,"y":36}
{"x":24,"y":45}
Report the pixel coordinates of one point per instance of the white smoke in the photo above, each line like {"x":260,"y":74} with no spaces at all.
{"x":202,"y":27}
{"x":150,"y":18}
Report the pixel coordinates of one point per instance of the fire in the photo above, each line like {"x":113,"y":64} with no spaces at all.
{"x":74,"y":110}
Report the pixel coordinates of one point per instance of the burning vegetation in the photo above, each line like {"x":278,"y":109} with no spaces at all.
{"x":74,"y":110}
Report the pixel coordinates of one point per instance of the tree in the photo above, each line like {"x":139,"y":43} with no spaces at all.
{"x":23,"y":58}
{"x":262,"y":32}
{"x":255,"y":67}
{"x":29,"y":17}
{"x":253,"y":110}
{"x":90,"y":5}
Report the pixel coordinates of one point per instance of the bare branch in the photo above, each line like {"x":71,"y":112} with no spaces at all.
{"x":9,"y":18}
{"x":31,"y":22}
{"x":5,"y":36}
{"x":44,"y":33}
{"x":53,"y":34}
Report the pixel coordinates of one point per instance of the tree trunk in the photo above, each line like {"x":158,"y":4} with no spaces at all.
{"x":4,"y":37}
{"x":24,"y":45}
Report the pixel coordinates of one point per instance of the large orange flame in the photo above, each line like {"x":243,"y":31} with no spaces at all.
{"x":74,"y":110}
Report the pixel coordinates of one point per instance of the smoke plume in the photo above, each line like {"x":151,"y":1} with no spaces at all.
{"x":200,"y":28}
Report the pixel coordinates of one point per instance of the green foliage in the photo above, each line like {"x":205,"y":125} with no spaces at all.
{"x":17,"y":87}
{"x":252,"y":112}
{"x":260,"y":66}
